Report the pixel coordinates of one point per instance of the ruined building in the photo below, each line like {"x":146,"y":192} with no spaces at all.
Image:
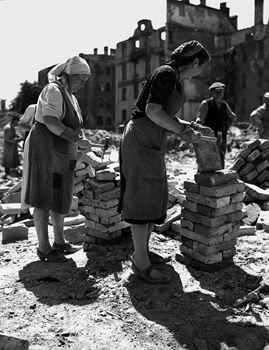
{"x":239,"y":59}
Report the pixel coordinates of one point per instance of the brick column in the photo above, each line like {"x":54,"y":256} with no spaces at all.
{"x":210,"y":220}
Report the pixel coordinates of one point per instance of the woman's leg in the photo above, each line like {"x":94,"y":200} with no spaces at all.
{"x":150,"y":229}
{"x":140,"y":238}
{"x":41,"y":220}
{"x":58,"y":227}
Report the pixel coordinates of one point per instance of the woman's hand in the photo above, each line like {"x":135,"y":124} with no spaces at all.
{"x":84,"y":145}
{"x":189,"y":135}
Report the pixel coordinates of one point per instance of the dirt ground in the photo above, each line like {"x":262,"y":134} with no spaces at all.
{"x":95,"y":301}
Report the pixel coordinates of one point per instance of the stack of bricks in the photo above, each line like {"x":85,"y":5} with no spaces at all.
{"x":252,"y":163}
{"x":97,"y":185}
{"x":211,"y":214}
{"x":210,"y":220}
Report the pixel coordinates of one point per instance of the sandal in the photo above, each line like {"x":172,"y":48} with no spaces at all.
{"x":66,"y":248}
{"x":146,"y":275}
{"x":155,"y":258}
{"x":52,"y":256}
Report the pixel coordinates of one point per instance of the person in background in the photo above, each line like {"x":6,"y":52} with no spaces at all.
{"x":260,"y":117}
{"x":10,"y":149}
{"x":27,"y":120}
{"x":144,"y":188}
{"x":50,"y":156}
{"x":217,"y":115}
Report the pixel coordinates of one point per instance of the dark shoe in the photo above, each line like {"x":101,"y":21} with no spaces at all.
{"x":52,"y":256}
{"x":146,"y":275}
{"x":155,"y":258}
{"x":66,"y":248}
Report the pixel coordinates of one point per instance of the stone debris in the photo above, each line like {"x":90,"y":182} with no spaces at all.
{"x":252,"y":163}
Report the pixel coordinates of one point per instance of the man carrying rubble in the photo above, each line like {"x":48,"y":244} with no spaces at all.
{"x":260,"y":118}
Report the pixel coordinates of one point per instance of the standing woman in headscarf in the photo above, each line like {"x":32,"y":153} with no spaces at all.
{"x":144,"y":189}
{"x":50,"y":156}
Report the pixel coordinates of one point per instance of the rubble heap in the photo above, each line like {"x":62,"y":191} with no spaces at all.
{"x":252,"y":163}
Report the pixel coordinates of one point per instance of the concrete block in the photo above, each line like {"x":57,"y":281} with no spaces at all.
{"x":14,"y":232}
{"x":75,"y":233}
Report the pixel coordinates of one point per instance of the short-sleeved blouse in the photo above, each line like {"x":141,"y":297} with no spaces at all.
{"x":157,"y":89}
{"x":51,"y":103}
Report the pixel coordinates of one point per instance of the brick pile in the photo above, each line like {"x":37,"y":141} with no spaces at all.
{"x":210,"y":220}
{"x":97,"y":185}
{"x":252,"y":163}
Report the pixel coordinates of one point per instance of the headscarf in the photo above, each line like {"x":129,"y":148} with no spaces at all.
{"x":187,"y":49}
{"x":74,"y":65}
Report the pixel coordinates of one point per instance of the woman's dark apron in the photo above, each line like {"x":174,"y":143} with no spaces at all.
{"x":52,"y":161}
{"x":144,"y":188}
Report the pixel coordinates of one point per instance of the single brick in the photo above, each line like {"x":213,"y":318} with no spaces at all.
{"x":200,"y":238}
{"x":206,"y":259}
{"x":212,"y":249}
{"x":244,"y":153}
{"x":263,"y":145}
{"x":191,"y":186}
{"x":253,"y":155}
{"x":215,"y":231}
{"x":207,"y":211}
{"x":204,"y":220}
{"x":262,"y":176}
{"x":207,"y":156}
{"x":263,"y":165}
{"x":250,"y":176}
{"x":239,"y":162}
{"x":212,"y":202}
{"x":247,"y":168}
{"x":215,"y":178}
{"x":223,"y":190}
{"x":252,"y":144}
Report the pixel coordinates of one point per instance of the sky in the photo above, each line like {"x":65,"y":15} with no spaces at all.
{"x":37,"y":34}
